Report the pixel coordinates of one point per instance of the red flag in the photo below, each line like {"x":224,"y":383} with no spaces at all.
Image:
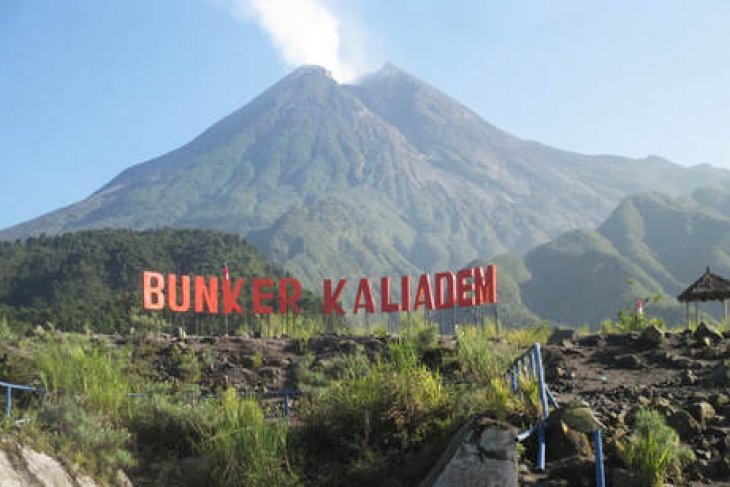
{"x":640,"y":306}
{"x":226,"y":276}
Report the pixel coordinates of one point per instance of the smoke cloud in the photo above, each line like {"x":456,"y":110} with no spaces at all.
{"x":303,"y":31}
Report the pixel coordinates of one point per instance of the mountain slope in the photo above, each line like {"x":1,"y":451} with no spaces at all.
{"x":382,"y":177}
{"x":651,"y":244}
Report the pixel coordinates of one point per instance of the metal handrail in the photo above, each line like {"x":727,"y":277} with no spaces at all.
{"x":9,"y":386}
{"x":530,"y":362}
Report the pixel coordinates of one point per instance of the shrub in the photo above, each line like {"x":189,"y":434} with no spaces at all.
{"x":654,"y":450}
{"x":85,"y":438}
{"x":629,"y":321}
{"x":185,"y":365}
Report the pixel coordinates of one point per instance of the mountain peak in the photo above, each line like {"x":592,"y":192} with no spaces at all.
{"x":389,"y":73}
{"x":311,"y":69}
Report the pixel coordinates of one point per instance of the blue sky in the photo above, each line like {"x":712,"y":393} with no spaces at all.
{"x":88,"y":88}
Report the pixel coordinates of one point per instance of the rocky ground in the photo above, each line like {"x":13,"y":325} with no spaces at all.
{"x":682,"y":375}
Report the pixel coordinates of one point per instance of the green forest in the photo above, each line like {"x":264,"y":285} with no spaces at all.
{"x":91,"y":280}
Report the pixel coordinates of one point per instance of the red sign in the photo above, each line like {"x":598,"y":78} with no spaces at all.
{"x":467,"y":287}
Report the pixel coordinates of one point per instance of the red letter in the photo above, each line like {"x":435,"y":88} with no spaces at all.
{"x":485,"y":285}
{"x":385,"y":305}
{"x":285,"y":299}
{"x":259,"y":295}
{"x":405,"y":293}
{"x":445,"y":297}
{"x":364,"y":290}
{"x":153,"y":285}
{"x":464,"y":287}
{"x":172,"y":293}
{"x":332,"y":301}
{"x":206,"y":294}
{"x":231,"y":295}
{"x":423,"y":293}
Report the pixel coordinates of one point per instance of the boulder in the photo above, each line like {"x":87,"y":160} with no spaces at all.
{"x":685,"y":424}
{"x":348,"y":347}
{"x":560,"y":335}
{"x":663,"y":406}
{"x":701,"y":411}
{"x":21,"y":466}
{"x":718,"y":400}
{"x":629,"y":361}
{"x":652,"y":336}
{"x":721,"y":374}
{"x":705,"y":331}
{"x":579,"y":471}
{"x":688,"y":377}
{"x":561,"y":441}
{"x":482,"y":453}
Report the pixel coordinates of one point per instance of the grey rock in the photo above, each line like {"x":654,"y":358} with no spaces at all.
{"x":560,"y":335}
{"x":652,"y":336}
{"x":629,"y":361}
{"x":561,"y":441}
{"x":706,"y":331}
{"x":688,"y":377}
{"x":685,"y":424}
{"x":348,"y":347}
{"x":701,"y":411}
{"x":721,"y":374}
{"x":718,"y":400}
{"x":478,"y":457}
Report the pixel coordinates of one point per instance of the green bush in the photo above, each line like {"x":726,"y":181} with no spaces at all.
{"x":185,"y":365}
{"x":629,"y":321}
{"x":654,"y":450}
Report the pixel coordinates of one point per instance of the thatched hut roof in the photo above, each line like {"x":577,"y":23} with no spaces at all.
{"x":709,"y":287}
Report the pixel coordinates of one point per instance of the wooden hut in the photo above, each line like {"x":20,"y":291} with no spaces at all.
{"x":709,"y":287}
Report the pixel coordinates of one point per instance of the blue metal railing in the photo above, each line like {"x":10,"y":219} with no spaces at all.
{"x":529,"y":364}
{"x":9,"y":394}
{"x":286,"y":395}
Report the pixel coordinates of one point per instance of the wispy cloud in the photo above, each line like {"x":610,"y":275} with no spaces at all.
{"x":303,"y":31}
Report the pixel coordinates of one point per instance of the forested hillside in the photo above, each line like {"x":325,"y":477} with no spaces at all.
{"x":93,"y":278}
{"x":652,"y":245}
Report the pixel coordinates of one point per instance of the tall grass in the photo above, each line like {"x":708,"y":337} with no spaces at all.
{"x":93,"y":371}
{"x":654,"y":450}
{"x":245,"y":449}
{"x":480,"y":357}
{"x":360,"y":424}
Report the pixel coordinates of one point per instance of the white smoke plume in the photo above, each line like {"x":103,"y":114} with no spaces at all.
{"x":303,"y":31}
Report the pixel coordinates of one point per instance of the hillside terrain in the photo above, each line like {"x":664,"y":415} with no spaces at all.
{"x":92,"y":279}
{"x":650,"y":245}
{"x":386,"y":176}
{"x":368,"y":410}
